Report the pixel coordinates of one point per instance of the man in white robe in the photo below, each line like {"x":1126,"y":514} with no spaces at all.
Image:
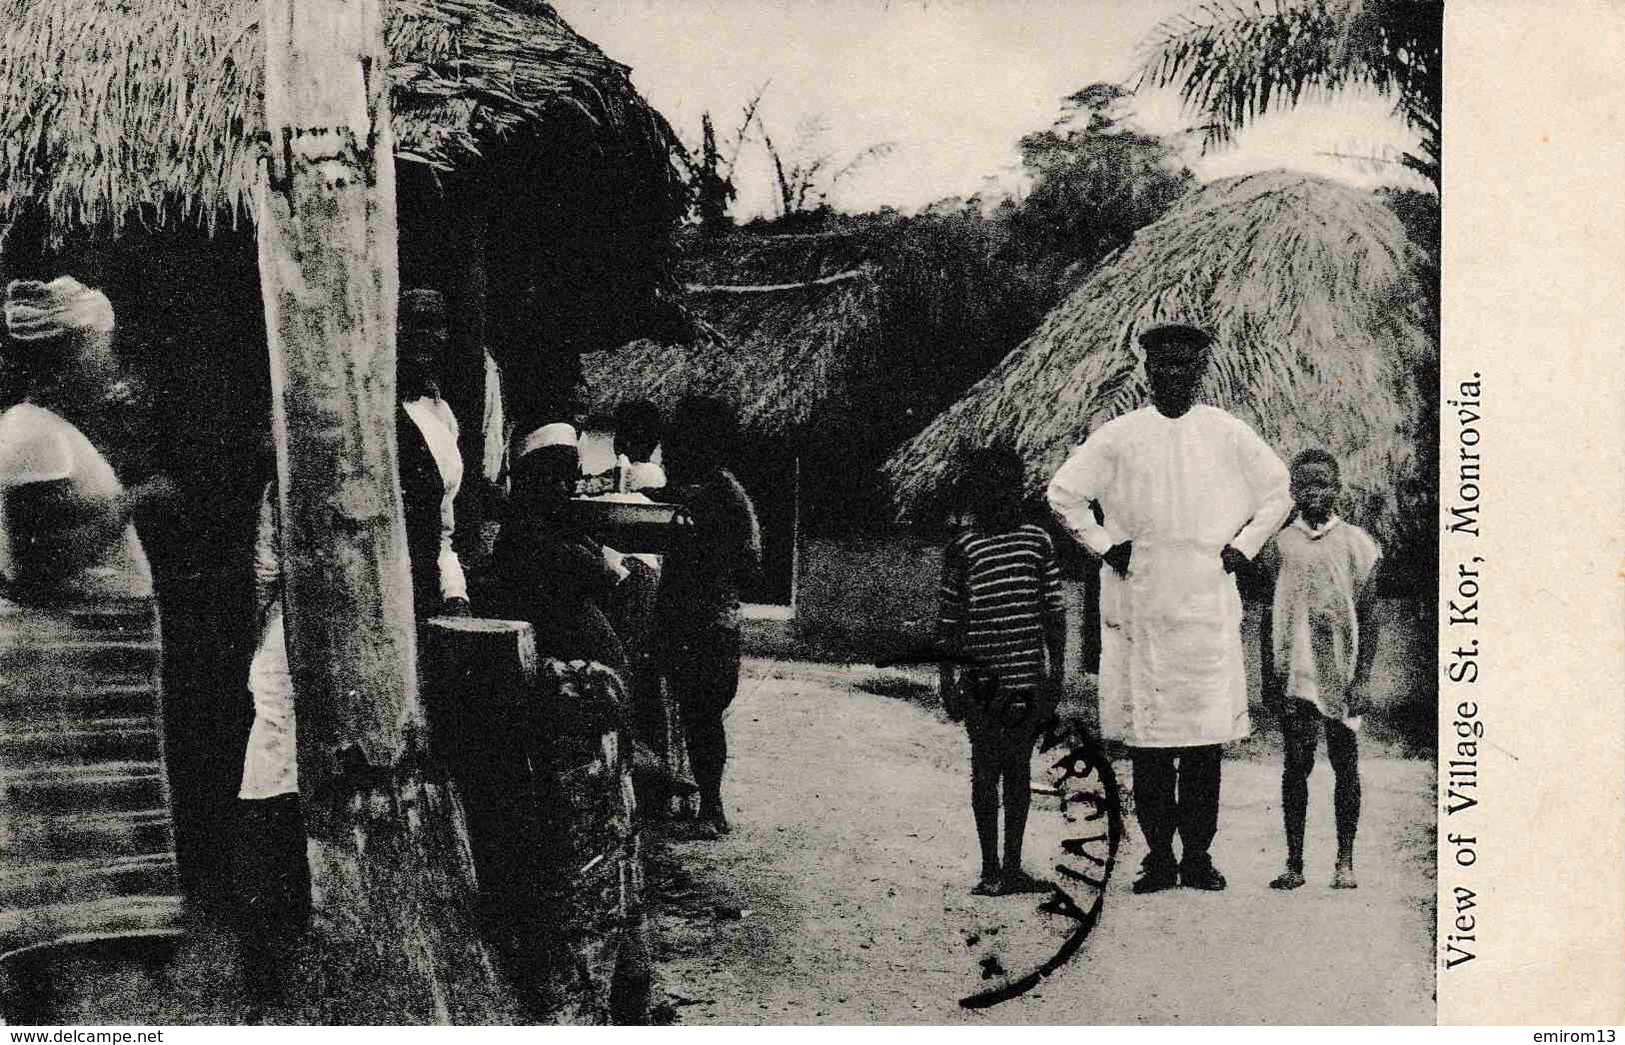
{"x":1188,"y":494}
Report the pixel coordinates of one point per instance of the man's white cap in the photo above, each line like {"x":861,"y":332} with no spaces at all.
{"x":556,"y":434}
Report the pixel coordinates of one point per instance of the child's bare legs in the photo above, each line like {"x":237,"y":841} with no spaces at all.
{"x":984,"y":804}
{"x":1343,"y":748}
{"x":1017,"y":776}
{"x":1000,"y":756}
{"x":704,"y":682}
{"x":1300,"y":731}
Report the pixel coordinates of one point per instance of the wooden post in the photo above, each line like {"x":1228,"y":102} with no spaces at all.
{"x":389,"y":859}
{"x":480,"y":688}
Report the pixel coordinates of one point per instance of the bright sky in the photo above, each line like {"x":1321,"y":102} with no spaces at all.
{"x":952,"y":84}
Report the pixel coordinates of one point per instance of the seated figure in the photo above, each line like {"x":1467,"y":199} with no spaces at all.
{"x":543,"y":569}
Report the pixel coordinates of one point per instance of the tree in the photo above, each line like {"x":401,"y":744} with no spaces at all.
{"x":710,"y":176}
{"x":709,"y":167}
{"x":713,"y":190}
{"x":1414,"y":558}
{"x":395,"y":938}
{"x":1095,"y":180}
{"x":1233,"y":63}
{"x":805,"y":174}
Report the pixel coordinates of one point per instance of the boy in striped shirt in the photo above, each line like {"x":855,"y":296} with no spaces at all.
{"x":1002,"y":610}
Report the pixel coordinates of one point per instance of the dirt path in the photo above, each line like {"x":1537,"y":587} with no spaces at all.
{"x":842,"y":896}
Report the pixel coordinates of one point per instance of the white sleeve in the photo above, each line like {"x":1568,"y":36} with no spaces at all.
{"x":453,"y":585}
{"x":1271,"y":486}
{"x":35,"y":454}
{"x":1367,"y":556}
{"x":267,"y":552}
{"x":442,"y":410}
{"x":1081,"y":481}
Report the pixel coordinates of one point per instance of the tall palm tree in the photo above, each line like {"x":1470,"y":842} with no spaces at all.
{"x":1233,"y":62}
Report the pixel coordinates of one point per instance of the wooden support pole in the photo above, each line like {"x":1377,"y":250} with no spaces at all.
{"x":395,"y":939}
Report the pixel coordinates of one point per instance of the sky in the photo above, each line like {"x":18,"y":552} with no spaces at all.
{"x":952,"y":85}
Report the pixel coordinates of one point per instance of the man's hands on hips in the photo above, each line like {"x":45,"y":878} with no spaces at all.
{"x":1120,"y":554}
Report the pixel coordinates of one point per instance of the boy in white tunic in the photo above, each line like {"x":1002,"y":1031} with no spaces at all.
{"x":1319,"y":638}
{"x":1188,"y":495}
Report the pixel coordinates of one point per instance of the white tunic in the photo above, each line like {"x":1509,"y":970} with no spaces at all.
{"x":270,"y":766}
{"x":1320,"y":577}
{"x":439,"y":427}
{"x":1171,"y":666}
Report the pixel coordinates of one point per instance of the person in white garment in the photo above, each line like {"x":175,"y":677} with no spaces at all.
{"x":431,"y":468}
{"x":1188,"y":494}
{"x":273,"y":879}
{"x":638,"y":431}
{"x":1317,"y":643}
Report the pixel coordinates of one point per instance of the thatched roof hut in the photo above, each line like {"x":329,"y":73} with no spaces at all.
{"x":799,"y":324}
{"x":1313,"y":291}
{"x":535,"y":189}
{"x":833,"y":346}
{"x":118,"y":117}
{"x":117,"y":113}
{"x":788,"y":320}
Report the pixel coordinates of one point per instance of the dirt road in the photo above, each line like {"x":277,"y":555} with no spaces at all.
{"x":842,"y":895}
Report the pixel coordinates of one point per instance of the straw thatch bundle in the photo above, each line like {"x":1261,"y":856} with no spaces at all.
{"x":1312,"y":290}
{"x":113,"y":112}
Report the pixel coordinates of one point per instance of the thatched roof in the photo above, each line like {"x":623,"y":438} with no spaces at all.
{"x":1312,"y":291}
{"x":787,"y":320}
{"x":837,"y":326}
{"x":114,"y":112}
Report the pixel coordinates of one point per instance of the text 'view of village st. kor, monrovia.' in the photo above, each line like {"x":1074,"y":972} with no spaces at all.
{"x":1462,"y":672}
{"x":506,"y":518}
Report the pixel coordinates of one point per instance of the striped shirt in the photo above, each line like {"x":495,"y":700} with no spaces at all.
{"x":998,"y":591}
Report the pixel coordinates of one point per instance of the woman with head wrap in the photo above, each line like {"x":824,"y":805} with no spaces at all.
{"x":68,"y":520}
{"x":545,"y":570}
{"x":79,"y":641}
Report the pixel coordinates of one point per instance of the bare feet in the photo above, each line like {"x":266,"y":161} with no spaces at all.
{"x":1289,"y":879}
{"x":693,"y":831}
{"x":1020,"y":881}
{"x":711,"y":815}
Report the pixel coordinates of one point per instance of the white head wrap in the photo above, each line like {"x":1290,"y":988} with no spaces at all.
{"x":556,"y":434}
{"x":38,"y":311}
